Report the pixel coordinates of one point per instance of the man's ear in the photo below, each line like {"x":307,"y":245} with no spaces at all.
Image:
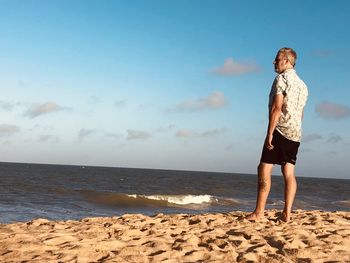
{"x":289,"y":64}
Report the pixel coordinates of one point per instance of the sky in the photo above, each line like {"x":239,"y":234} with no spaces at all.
{"x":169,"y":84}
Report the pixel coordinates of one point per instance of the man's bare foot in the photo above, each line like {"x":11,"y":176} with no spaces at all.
{"x":254,"y":216}
{"x":285,"y":217}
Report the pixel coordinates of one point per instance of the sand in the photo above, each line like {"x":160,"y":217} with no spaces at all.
{"x":311,"y":236}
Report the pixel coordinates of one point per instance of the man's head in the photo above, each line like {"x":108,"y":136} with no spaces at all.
{"x":285,"y":59}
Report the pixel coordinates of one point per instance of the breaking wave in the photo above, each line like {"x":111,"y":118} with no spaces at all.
{"x":345,"y":203}
{"x":179,"y":199}
{"x":139,"y":200}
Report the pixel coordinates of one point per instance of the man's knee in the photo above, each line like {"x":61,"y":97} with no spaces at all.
{"x":264,"y":169}
{"x":288,"y":171}
{"x":260,"y":168}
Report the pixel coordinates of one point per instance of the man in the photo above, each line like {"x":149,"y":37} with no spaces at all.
{"x":286,"y":106}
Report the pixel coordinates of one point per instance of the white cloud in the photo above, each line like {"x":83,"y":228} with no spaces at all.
{"x":334,"y":139}
{"x":229,"y":147}
{"x":144,"y":107}
{"x":85,"y":132}
{"x":213,"y":132}
{"x":7,"y":105}
{"x":312,"y":137}
{"x":8,"y":130}
{"x":45,"y":108}
{"x":94,"y":100}
{"x":113,"y":135}
{"x":231,"y":67}
{"x":49,"y":138}
{"x":322,"y":53}
{"x":329,"y":110}
{"x":305,"y":150}
{"x":120,"y":104}
{"x":137,"y":135}
{"x":184,"y":133}
{"x":215,"y":100}
{"x":167,"y":128}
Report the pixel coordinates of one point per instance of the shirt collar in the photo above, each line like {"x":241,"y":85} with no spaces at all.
{"x":289,"y":70}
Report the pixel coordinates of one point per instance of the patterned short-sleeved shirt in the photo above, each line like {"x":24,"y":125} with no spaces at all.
{"x":295,"y":94}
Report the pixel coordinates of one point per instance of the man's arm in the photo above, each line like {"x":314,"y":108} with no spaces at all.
{"x":274,"y":115}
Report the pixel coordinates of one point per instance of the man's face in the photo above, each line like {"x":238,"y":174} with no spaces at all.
{"x":280,"y":63}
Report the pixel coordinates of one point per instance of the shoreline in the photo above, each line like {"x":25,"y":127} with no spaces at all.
{"x":310,"y":236}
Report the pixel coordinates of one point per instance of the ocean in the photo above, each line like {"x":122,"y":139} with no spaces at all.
{"x":62,"y":192}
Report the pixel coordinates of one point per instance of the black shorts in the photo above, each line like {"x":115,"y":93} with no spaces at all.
{"x":284,"y":151}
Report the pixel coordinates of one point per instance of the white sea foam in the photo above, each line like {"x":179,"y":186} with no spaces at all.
{"x":345,"y":203}
{"x":178,"y":199}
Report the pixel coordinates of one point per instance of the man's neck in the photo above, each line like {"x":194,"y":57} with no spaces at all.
{"x":288,"y":68}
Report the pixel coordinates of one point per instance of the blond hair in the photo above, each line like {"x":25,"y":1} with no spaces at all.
{"x":289,"y":54}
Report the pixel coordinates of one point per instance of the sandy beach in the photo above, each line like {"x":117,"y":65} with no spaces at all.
{"x":311,"y":236}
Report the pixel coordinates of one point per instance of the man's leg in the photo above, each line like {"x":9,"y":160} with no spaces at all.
{"x":290,"y":188}
{"x":264,"y":185}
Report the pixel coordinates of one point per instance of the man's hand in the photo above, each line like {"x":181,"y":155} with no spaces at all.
{"x":268,"y":142}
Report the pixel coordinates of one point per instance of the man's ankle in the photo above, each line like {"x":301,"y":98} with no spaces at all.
{"x":256,"y":215}
{"x":285,"y":216}
{"x":259,"y":212}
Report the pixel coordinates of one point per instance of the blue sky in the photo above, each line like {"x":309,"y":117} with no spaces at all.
{"x":169,"y":84}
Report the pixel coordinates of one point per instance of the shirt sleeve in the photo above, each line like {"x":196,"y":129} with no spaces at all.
{"x":280,"y":85}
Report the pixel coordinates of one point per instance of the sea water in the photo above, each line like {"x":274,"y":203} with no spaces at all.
{"x":62,"y":192}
